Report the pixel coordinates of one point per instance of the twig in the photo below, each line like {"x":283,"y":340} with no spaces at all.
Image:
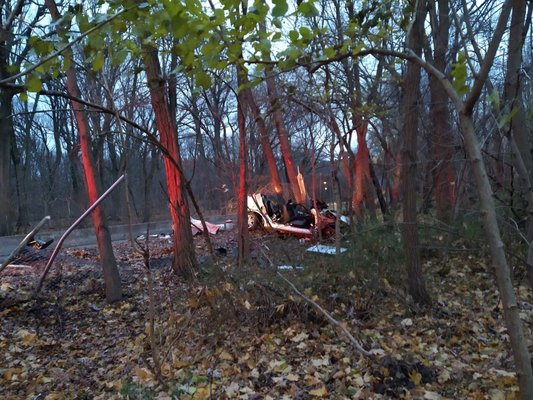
{"x":69,"y":231}
{"x":332,"y":320}
{"x":24,"y":242}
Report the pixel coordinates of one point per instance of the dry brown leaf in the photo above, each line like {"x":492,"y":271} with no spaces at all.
{"x":293,"y":378}
{"x":224,"y":355}
{"x":143,"y":374}
{"x":320,"y":392}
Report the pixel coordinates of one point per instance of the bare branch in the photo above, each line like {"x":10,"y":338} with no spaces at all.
{"x":332,"y":320}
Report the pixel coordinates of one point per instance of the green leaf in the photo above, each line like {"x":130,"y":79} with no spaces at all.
{"x":506,"y":118}
{"x":23,"y":96}
{"x":42,"y":47}
{"x":203,"y":80}
{"x":358,"y":48}
{"x":280,"y":8}
{"x":459,"y":74}
{"x":83,"y":22}
{"x":293,"y":35}
{"x":13,"y":69}
{"x":67,"y":62}
{"x":494,"y":99}
{"x":173,"y":8}
{"x":277,"y":23}
{"x":34,"y":83}
{"x":307,"y":9}
{"x":98,"y":61}
{"x":306,"y":33}
{"x":329,"y":52}
{"x":118,"y":57}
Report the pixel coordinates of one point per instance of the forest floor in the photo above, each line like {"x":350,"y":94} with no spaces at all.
{"x":245,"y":334}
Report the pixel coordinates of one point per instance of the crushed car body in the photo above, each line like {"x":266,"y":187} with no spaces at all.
{"x":291,"y":218}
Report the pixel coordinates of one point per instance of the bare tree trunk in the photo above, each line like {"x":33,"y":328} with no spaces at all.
{"x":184,"y":261}
{"x":361,"y":166}
{"x":518,"y":130}
{"x":265,"y":142}
{"x":415,"y":279}
{"x":511,"y":311}
{"x":283,"y":137}
{"x":242,"y":195}
{"x":103,"y":237}
{"x":7,"y":214}
{"x":443,"y":143}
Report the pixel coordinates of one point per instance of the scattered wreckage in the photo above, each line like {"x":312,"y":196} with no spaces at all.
{"x":291,"y":218}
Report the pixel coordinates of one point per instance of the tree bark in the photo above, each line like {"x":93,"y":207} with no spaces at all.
{"x":242,"y":195}
{"x":416,"y":284}
{"x":518,"y":129}
{"x":283,"y":137}
{"x":442,"y":148}
{"x":7,"y":213}
{"x":511,"y":311}
{"x":103,"y":237}
{"x":265,"y":142}
{"x":184,"y":262}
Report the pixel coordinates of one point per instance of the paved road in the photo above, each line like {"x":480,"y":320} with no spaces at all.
{"x":86,"y":237}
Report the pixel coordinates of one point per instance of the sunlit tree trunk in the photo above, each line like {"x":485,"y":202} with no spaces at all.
{"x":184,"y":261}
{"x":265,"y":142}
{"x":283,"y":136}
{"x":361,"y":165}
{"x":411,"y":85}
{"x":103,"y":237}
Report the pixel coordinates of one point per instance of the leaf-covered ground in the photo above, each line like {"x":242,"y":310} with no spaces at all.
{"x":244,"y":334}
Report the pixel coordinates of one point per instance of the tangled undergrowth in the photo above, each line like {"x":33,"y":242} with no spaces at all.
{"x":245,"y":333}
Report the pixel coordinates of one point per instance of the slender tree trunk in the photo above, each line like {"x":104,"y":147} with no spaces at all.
{"x":184,"y":261}
{"x":103,"y":237}
{"x":511,"y":311}
{"x":7,"y":209}
{"x":283,"y":137}
{"x":443,"y":142}
{"x":518,"y":130}
{"x":242,"y":196}
{"x":361,"y":166}
{"x":416,"y":284}
{"x":465,"y":108}
{"x":265,"y":142}
{"x":7,"y":214}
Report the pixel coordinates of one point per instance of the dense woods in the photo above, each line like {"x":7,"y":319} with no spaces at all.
{"x":415,"y":116}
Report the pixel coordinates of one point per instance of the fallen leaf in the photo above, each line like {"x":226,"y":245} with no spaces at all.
{"x":11,"y":372}
{"x":406,"y":322}
{"x":432,"y":396}
{"x":143,"y":374}
{"x":232,"y":389}
{"x":300,"y":337}
{"x":320,"y":392}
{"x":226,"y":356}
{"x":293,"y":378}
{"x":444,"y":376}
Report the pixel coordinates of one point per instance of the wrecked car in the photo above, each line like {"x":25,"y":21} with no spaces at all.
{"x":291,"y":218}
